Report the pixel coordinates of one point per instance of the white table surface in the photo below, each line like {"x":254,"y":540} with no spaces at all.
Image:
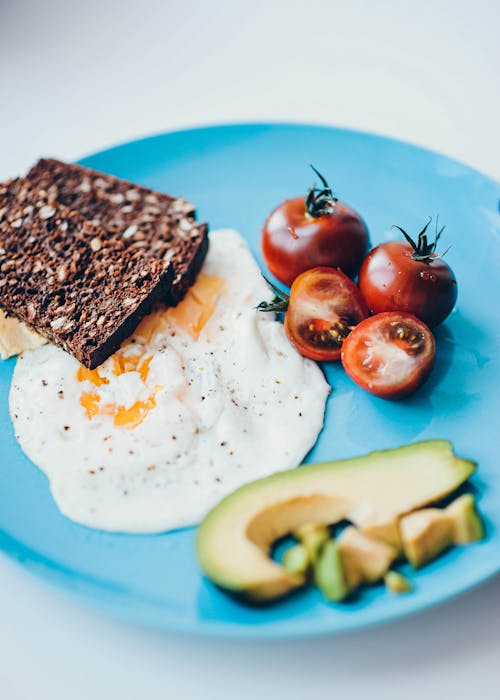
{"x":79,"y":76}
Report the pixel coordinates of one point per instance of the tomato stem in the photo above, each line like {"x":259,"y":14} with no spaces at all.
{"x":279,"y":303}
{"x":320,"y":201}
{"x":423,"y":250}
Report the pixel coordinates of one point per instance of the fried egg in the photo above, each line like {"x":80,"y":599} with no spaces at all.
{"x":203,"y":398}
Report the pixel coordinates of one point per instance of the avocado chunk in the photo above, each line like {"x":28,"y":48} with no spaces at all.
{"x":386,"y":530}
{"x":235,"y":539}
{"x":425,"y":534}
{"x":329,"y":573}
{"x":365,"y":559}
{"x":296,"y":559}
{"x":397,"y":583}
{"x":312,"y":536}
{"x":466,"y":522}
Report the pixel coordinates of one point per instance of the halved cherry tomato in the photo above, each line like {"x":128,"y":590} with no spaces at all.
{"x":324,"y":306}
{"x":389,"y":354}
{"x":408,"y":276}
{"x":311,"y":231}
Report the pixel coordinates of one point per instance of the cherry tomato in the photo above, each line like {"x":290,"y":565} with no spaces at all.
{"x":323,"y":308}
{"x":410,"y":277}
{"x":389,"y":354}
{"x":312,"y":231}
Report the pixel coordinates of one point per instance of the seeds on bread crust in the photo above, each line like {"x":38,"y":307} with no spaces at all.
{"x":68,"y":279}
{"x":158,"y":224}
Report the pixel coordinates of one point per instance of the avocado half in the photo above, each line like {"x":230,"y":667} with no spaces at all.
{"x":235,"y":538}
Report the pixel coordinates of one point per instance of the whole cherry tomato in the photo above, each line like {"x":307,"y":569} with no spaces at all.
{"x":408,"y":276}
{"x":390,"y":354}
{"x":323,"y":307}
{"x":313,"y":231}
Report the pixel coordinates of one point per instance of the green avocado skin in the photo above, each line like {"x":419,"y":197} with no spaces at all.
{"x":224,"y":548}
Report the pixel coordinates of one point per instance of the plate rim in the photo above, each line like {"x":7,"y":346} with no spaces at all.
{"x":247,"y":123}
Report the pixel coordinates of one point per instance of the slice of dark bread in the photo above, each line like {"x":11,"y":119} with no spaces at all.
{"x":68,"y":279}
{"x":162,"y":226}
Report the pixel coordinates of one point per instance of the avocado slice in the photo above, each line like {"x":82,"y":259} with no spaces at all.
{"x":466,"y":522}
{"x":425,"y":534}
{"x":235,"y":538}
{"x":397,"y":583}
{"x":365,"y":559}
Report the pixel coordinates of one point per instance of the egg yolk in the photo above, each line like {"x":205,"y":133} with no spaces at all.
{"x":131,"y":363}
{"x":191,"y":315}
{"x":122,"y":417}
{"x":197,"y":307}
{"x":133,"y":416}
{"x":90,"y":403}
{"x":91,"y":375}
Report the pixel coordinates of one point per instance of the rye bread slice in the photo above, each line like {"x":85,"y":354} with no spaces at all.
{"x":67,"y":279}
{"x":161,"y":226}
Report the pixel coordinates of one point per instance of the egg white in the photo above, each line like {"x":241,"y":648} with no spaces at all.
{"x":234,"y":405}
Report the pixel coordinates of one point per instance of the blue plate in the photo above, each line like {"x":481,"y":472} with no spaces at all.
{"x":236,"y":175}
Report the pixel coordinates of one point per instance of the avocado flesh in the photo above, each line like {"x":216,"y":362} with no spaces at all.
{"x":329,"y":574}
{"x":365,"y":560}
{"x":425,"y":534}
{"x":296,"y":559}
{"x":397,"y":583}
{"x":466,"y":522}
{"x":312,"y":536}
{"x":235,"y":538}
{"x":386,"y":531}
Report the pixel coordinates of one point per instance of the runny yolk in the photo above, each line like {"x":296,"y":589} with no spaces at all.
{"x":90,"y":403}
{"x":122,"y":417}
{"x":198,"y":305}
{"x":91,"y":375}
{"x":133,"y":416}
{"x":131,"y":363}
{"x":144,"y":368}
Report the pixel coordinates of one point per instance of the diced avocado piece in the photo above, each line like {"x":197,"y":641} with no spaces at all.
{"x":353,"y":573}
{"x":425,"y":534}
{"x":466,"y":522}
{"x":329,"y":574}
{"x":365,"y":559}
{"x":312,"y":536}
{"x":235,"y":538}
{"x":387,"y":531}
{"x":296,"y":559}
{"x":397,"y":583}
